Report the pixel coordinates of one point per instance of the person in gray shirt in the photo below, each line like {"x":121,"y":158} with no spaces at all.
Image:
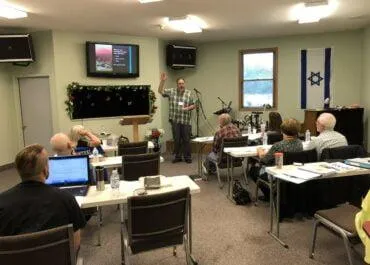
{"x":328,"y":138}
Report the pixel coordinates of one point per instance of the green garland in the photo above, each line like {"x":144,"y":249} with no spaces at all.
{"x":76,"y":86}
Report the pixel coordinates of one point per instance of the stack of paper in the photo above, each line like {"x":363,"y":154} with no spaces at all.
{"x":323,"y":169}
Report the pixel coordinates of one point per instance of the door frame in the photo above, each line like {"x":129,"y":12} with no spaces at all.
{"x":18,"y":109}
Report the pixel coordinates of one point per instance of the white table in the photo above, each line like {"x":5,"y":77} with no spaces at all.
{"x":127,"y":189}
{"x":278,"y":174}
{"x":113,"y":162}
{"x":202,"y":141}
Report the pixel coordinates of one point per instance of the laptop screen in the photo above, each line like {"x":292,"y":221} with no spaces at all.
{"x":68,"y":170}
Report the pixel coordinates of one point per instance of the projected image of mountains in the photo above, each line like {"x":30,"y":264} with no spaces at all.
{"x":103,"y":55}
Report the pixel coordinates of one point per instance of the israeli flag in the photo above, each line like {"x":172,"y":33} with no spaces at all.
{"x":315,"y":77}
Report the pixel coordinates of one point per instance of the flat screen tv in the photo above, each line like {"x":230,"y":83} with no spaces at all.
{"x":112,"y":60}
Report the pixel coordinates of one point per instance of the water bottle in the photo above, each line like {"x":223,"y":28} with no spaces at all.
{"x":114,"y":181}
{"x":264,"y":139}
{"x":249,"y":129}
{"x":95,"y":154}
{"x":307,"y":137}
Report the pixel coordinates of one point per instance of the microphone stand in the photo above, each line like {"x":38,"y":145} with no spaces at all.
{"x":197,"y":106}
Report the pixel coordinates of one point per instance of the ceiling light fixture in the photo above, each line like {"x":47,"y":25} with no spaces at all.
{"x":10,"y":12}
{"x":313,"y":10}
{"x":187,"y":24}
{"x":148,"y":1}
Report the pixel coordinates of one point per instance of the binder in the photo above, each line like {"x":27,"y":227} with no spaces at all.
{"x":359,"y":162}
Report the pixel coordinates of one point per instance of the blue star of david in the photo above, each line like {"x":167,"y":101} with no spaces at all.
{"x":315,"y":78}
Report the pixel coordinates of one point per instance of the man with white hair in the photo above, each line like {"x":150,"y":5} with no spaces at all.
{"x":226,"y":130}
{"x":328,"y":138}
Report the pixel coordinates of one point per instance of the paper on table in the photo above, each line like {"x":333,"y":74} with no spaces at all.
{"x":322,"y":169}
{"x":290,"y":178}
{"x":301,"y":174}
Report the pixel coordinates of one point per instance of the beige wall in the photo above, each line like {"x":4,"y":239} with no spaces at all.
{"x":70,"y":66}
{"x":10,"y":114}
{"x":217,"y":70}
{"x":365,"y":95}
{"x":8,"y":137}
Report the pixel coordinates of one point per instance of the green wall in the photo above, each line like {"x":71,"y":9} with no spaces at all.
{"x":217,"y":70}
{"x":61,"y":56}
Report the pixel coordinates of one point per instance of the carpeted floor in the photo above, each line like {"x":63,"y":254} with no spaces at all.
{"x":223,"y":233}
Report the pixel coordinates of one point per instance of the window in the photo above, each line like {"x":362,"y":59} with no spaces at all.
{"x":258,"y":78}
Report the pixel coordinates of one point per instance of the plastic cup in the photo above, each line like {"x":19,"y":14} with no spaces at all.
{"x":279,"y":158}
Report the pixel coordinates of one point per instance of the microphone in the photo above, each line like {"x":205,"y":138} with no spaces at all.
{"x":221,"y":100}
{"x":197,"y":91}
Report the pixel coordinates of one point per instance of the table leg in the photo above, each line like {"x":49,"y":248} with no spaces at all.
{"x":271,"y":232}
{"x":100,"y":222}
{"x":193,"y":260}
{"x":122,"y":228}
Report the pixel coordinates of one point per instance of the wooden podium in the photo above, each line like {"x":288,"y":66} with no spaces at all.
{"x":135,"y":121}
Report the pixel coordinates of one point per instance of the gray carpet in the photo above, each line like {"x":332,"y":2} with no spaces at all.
{"x":223,"y":233}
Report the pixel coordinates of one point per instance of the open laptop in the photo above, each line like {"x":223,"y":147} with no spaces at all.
{"x":70,"y":173}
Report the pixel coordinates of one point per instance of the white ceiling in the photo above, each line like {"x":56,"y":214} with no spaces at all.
{"x":232,"y":19}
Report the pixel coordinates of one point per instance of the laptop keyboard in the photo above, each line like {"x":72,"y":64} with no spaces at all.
{"x":77,"y":191}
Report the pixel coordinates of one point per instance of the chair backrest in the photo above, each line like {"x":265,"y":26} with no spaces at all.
{"x":132,"y":148}
{"x":230,"y":142}
{"x":306,"y":156}
{"x":156,"y":221}
{"x":53,"y":246}
{"x":274,"y":137}
{"x":135,"y":166}
{"x":343,"y":152}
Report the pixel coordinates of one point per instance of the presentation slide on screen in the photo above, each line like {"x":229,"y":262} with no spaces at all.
{"x":113,"y":58}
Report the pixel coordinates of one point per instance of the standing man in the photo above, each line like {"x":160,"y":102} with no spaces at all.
{"x":181,"y":104}
{"x":328,"y":138}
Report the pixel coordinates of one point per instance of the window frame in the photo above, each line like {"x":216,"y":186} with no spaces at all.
{"x":274,"y":50}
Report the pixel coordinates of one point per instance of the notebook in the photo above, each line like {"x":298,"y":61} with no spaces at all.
{"x":70,"y":173}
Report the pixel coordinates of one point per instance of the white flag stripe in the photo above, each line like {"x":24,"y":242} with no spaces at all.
{"x":315,"y":64}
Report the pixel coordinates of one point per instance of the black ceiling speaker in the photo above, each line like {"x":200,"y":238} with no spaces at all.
{"x":180,"y":57}
{"x":16,"y":48}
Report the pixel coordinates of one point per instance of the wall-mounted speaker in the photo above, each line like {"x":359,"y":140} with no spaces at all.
{"x":181,"y":56}
{"x":16,"y":48}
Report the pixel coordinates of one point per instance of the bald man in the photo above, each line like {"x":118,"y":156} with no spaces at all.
{"x":226,"y":130}
{"x":61,"y":144}
{"x":328,"y":138}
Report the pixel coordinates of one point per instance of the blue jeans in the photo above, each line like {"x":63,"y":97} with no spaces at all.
{"x":210,"y":162}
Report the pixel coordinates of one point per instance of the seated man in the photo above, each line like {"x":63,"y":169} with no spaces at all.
{"x":61,"y":144}
{"x":226,"y":130}
{"x":328,"y":138}
{"x":32,"y":205}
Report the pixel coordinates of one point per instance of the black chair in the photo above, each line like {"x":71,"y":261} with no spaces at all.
{"x":274,"y":137}
{"x":222,"y":157}
{"x":132,"y":148}
{"x":341,"y":221}
{"x":135,"y":166}
{"x":53,"y":246}
{"x":157,"y":221}
{"x":343,"y":152}
{"x":332,"y":192}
